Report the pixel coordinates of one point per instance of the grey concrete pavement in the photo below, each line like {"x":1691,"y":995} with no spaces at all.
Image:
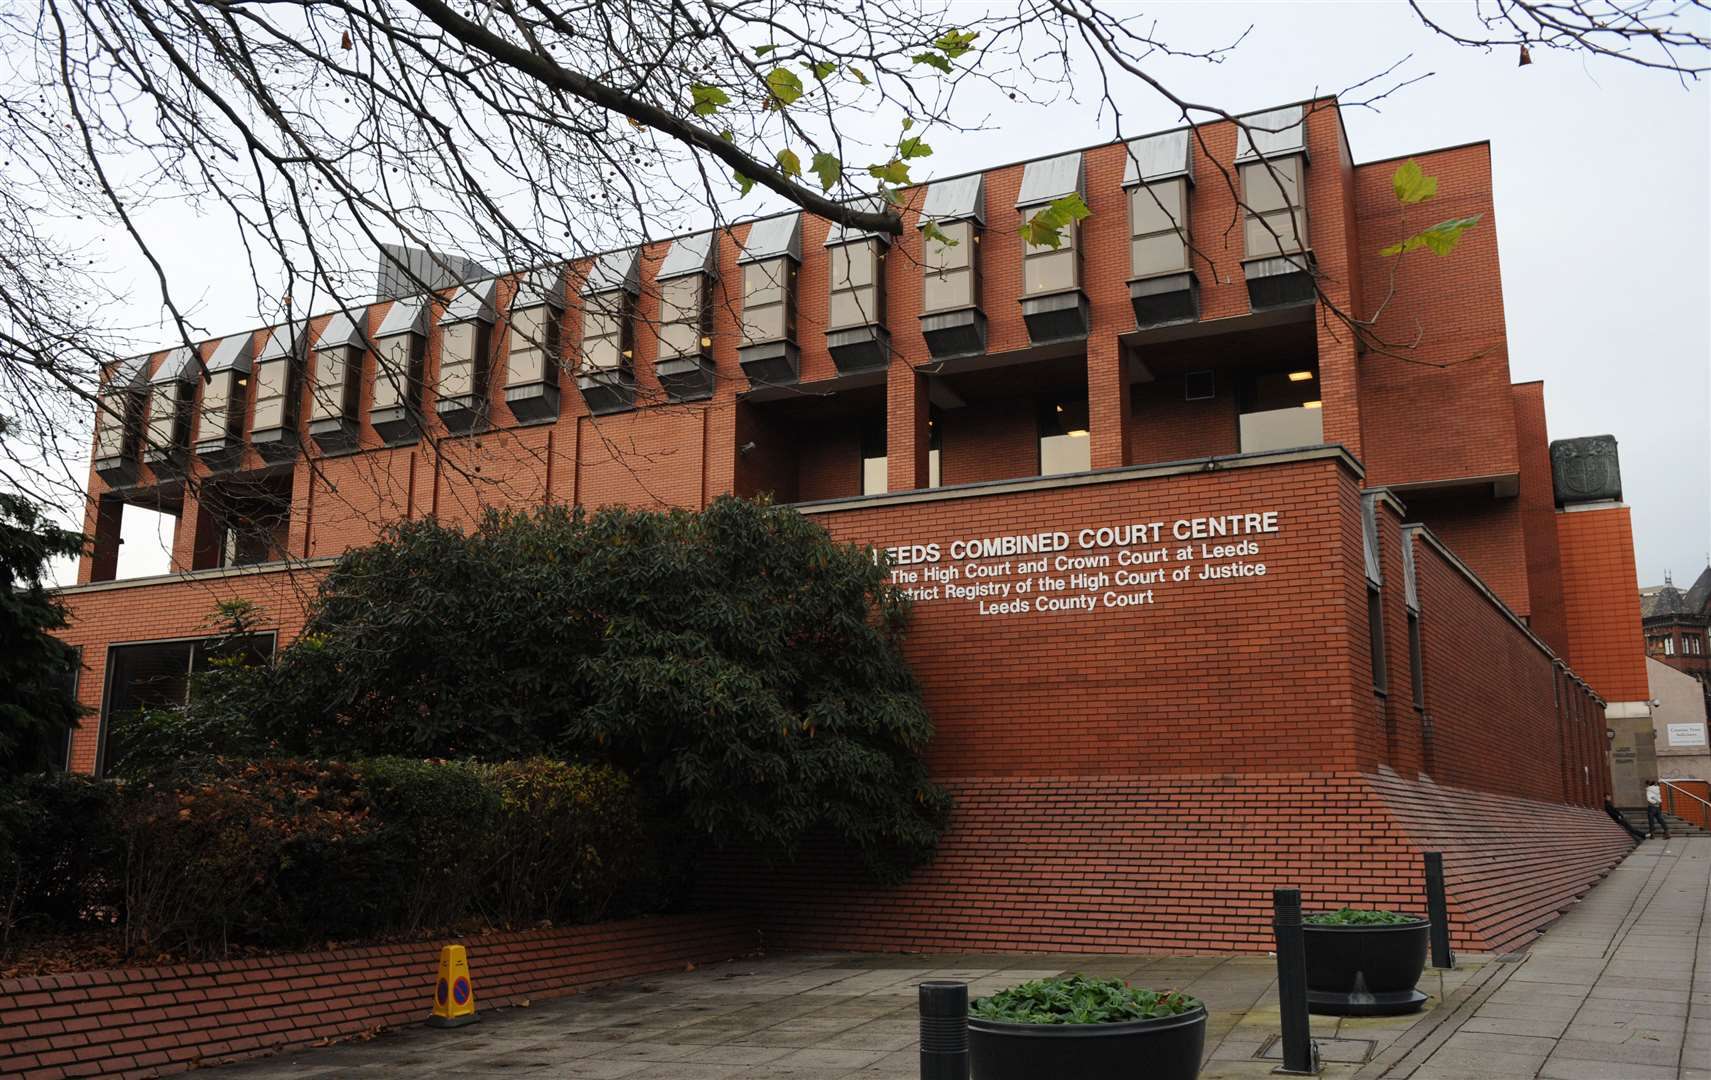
{"x":1619,"y":989}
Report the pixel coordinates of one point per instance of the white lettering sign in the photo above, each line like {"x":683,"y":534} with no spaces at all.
{"x":1125,"y":565}
{"x":1687,"y":734}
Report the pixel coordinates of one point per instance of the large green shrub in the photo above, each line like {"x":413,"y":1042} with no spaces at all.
{"x":569,"y":840}
{"x":743,"y":668}
{"x":437,"y":824}
{"x":285,"y":853}
{"x":36,"y":668}
{"x":61,"y":853}
{"x":271,"y":852}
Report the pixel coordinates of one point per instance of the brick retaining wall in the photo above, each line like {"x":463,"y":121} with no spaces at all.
{"x":152,"y":1021}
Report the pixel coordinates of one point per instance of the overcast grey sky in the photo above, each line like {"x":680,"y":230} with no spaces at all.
{"x":1602,"y":214}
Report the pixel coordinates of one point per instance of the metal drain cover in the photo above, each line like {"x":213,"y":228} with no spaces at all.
{"x":1339,"y":1051}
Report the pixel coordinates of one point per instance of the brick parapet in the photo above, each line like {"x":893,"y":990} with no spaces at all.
{"x":154,"y":1021}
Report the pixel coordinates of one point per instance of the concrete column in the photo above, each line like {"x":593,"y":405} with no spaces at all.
{"x":1107,"y":402}
{"x":905,"y":429}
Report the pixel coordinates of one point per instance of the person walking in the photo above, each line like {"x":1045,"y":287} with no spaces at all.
{"x":1654,"y":810}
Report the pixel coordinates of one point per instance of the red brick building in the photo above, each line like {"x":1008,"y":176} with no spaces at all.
{"x":1210,"y":599}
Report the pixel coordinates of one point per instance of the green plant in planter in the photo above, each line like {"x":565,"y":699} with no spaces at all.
{"x":1358,"y":917}
{"x":1077,"y":999}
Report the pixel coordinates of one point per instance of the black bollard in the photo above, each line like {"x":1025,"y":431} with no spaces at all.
{"x":1300,"y":1055}
{"x":944,"y":1031}
{"x":1438,"y":910}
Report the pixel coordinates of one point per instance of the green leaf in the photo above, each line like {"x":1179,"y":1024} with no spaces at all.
{"x":891,"y":195}
{"x":745,"y":183}
{"x":954,"y":43}
{"x":728,"y":135}
{"x":892,"y":172}
{"x":789,"y":163}
{"x":705,"y":100}
{"x":913,"y":147}
{"x":908,"y":122}
{"x":1440,"y":239}
{"x":858,"y":75}
{"x":822,"y":69}
{"x":1412,"y":184}
{"x":1046,"y":227}
{"x":1443,"y":237}
{"x":828,"y":168}
{"x":762,"y":50}
{"x":784,"y":84}
{"x":931,"y":231}
{"x":933,"y":60}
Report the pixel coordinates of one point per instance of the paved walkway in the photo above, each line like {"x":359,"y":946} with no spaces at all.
{"x":1608,"y":994}
{"x":1619,"y":989}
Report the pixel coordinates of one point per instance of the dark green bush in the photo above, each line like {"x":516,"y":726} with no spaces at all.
{"x":438,"y":822}
{"x":741,"y":667}
{"x":1358,"y":917}
{"x":286,"y":853}
{"x":269,"y":853}
{"x":569,"y":840}
{"x":61,"y":853}
{"x":1077,"y":999}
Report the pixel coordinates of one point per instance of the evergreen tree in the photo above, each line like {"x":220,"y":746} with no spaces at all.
{"x":36,"y":668}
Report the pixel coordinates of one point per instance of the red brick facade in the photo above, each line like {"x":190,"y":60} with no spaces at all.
{"x":154,"y":1021}
{"x":1127,"y":776}
{"x":1139,"y":781}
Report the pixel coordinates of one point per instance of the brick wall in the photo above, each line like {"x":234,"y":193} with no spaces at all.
{"x":1538,"y":519}
{"x":1140,"y":779}
{"x":139,"y":1022}
{"x":1259,"y":664}
{"x":1440,"y":407}
{"x":1487,"y":534}
{"x":1478,"y":667}
{"x":1181,"y":756}
{"x":989,"y":440}
{"x":1601,"y":600}
{"x":1165,"y":427}
{"x":1186,"y":864}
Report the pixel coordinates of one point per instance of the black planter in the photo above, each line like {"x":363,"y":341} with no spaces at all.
{"x":1167,"y":1048}
{"x":1365,"y":970}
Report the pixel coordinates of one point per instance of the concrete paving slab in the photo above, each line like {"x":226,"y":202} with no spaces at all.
{"x":1610,"y":992}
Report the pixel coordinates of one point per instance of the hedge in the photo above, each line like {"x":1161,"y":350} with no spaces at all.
{"x":286,"y":853}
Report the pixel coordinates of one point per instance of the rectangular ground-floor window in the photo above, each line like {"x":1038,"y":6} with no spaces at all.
{"x":157,"y":674}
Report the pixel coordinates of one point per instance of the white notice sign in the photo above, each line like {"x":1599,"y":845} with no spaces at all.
{"x":1687,"y":734}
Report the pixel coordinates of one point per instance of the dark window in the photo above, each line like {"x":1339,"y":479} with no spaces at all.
{"x":157,"y":674}
{"x":1375,"y":629}
{"x":1416,"y":661}
{"x":72,"y":678}
{"x":1280,"y":410}
{"x":1064,"y":443}
{"x":934,"y":444}
{"x":874,"y":466}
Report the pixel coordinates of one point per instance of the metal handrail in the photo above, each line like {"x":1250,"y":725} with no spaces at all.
{"x":1670,"y":791}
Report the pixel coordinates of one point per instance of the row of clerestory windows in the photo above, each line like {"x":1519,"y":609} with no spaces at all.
{"x":154,"y":416}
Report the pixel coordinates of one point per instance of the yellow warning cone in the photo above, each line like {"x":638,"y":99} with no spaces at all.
{"x":454,"y":994}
